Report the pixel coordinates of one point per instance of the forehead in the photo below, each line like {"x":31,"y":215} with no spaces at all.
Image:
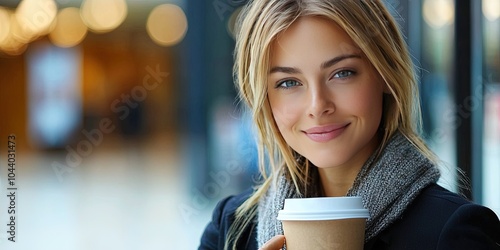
{"x":313,"y":36}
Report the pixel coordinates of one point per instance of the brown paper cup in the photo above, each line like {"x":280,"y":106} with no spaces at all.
{"x":324,"y":223}
{"x":346,"y":234}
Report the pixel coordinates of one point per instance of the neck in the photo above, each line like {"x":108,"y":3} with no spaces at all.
{"x":336,"y":181}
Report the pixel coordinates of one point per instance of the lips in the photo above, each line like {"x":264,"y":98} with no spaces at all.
{"x":326,"y":133}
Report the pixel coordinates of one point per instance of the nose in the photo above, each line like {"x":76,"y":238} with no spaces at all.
{"x":321,"y":102}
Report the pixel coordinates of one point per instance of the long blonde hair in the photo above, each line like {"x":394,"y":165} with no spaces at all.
{"x":372,"y":29}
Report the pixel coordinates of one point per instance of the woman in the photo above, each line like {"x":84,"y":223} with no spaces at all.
{"x":332,"y":92}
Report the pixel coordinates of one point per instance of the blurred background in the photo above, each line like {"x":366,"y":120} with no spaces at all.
{"x":128,"y":130}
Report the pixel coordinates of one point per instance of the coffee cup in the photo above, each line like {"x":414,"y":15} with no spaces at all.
{"x":324,"y":223}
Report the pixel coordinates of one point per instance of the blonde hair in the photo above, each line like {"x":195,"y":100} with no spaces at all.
{"x":372,"y":29}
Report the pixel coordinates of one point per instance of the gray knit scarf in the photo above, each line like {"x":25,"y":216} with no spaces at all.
{"x":387,"y":186}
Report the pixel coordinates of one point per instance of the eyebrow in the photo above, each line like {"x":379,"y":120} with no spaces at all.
{"x":324,"y":65}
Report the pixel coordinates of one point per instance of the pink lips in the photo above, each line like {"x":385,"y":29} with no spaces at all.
{"x":325,"y":133}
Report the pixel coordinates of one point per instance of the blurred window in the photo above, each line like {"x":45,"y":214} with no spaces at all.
{"x":491,"y":90}
{"x":54,"y":94}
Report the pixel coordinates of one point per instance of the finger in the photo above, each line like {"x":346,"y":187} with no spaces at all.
{"x":275,"y":243}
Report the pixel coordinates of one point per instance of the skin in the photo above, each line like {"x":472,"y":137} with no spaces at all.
{"x":320,"y":79}
{"x":276,"y":242}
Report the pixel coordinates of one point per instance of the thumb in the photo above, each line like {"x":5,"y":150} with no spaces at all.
{"x":275,"y":243}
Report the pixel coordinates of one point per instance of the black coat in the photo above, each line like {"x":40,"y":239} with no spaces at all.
{"x":437,"y":219}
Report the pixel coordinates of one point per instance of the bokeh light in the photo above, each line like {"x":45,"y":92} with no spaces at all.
{"x":167,"y":24}
{"x":4,"y":25}
{"x":491,"y":9}
{"x":34,"y":18}
{"x":20,"y":34}
{"x":103,"y":15}
{"x":11,"y":43}
{"x":12,"y":46}
{"x":69,"y":29}
{"x":439,"y":13}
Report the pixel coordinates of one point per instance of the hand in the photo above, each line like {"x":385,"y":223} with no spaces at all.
{"x":276,"y":243}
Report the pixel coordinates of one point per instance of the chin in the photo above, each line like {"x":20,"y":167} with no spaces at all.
{"x":326,"y":164}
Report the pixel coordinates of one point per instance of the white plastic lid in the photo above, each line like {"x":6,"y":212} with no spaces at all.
{"x":323,"y":208}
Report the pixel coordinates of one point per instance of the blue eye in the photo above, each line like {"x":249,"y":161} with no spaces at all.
{"x":344,"y":74}
{"x":287,"y":84}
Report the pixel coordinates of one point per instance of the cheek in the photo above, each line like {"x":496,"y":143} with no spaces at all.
{"x":282,"y":116}
{"x":366,"y":102}
{"x":285,"y":113}
{"x":372,"y":106}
